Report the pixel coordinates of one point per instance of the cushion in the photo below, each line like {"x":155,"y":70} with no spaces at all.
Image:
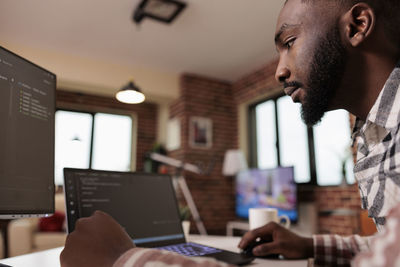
{"x":53,"y":223}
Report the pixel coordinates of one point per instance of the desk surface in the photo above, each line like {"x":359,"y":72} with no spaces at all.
{"x":50,"y":258}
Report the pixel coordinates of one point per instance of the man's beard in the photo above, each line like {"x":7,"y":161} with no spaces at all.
{"x":327,"y":68}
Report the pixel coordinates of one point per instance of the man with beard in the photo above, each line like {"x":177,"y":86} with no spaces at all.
{"x":343,"y":54}
{"x":334,"y":54}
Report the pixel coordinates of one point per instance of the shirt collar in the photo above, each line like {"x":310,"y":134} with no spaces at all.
{"x":386,"y":110}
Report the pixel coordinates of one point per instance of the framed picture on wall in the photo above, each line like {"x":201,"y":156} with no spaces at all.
{"x":200,"y":132}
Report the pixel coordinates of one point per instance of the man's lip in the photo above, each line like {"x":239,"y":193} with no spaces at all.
{"x":290,"y":90}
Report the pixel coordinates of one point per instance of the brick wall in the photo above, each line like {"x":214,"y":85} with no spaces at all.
{"x":338,"y":210}
{"x":146,"y":115}
{"x":218,"y":100}
{"x":256,"y":83}
{"x":213,"y":193}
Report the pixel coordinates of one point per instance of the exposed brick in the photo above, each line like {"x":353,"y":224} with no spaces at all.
{"x":213,"y":193}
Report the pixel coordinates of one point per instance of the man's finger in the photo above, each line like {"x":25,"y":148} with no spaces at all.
{"x":267,"y":249}
{"x":247,"y":239}
{"x":82,"y":223}
{"x":264,"y":232}
{"x":101,"y":214}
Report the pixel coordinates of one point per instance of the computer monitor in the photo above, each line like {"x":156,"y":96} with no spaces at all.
{"x":270,"y":188}
{"x":27,"y":106}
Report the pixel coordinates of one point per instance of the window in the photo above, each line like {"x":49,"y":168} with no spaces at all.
{"x":332,"y":148}
{"x":320,"y":155}
{"x":92,"y":140}
{"x":267,"y":149}
{"x":293,"y":137}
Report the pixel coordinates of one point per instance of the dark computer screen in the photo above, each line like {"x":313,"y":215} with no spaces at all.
{"x":270,"y":188}
{"x":144,"y":204}
{"x":27,"y":105}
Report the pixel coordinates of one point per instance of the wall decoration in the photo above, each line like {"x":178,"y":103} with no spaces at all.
{"x":200,"y":132}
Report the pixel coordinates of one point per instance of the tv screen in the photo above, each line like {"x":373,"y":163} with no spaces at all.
{"x":269,"y":188}
{"x":27,"y":105}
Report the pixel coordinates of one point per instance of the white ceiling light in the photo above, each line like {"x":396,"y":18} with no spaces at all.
{"x":130,"y":94}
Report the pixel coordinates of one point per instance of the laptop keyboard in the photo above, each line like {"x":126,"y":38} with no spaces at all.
{"x":190,"y":249}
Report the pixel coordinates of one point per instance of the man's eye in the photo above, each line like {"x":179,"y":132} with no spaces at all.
{"x":289,"y":43}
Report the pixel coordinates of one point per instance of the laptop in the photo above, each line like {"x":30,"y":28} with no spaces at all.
{"x":144,"y":204}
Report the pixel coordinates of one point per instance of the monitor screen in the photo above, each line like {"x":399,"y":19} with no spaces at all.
{"x":27,"y":105}
{"x":272,"y":188}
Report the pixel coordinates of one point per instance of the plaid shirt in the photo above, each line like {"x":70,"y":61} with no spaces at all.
{"x":143,"y":257}
{"x":377,"y":172}
{"x":385,"y":248}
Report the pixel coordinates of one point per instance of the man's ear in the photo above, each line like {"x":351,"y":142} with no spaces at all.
{"x":359,"y":22}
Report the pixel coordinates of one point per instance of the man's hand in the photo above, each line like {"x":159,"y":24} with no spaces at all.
{"x":279,"y":240}
{"x":96,"y":241}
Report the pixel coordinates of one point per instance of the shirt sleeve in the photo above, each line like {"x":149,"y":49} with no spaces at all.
{"x":335,"y":250}
{"x":385,"y":247}
{"x":140,"y":257}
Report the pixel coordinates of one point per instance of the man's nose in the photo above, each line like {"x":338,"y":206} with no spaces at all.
{"x":282,"y":73}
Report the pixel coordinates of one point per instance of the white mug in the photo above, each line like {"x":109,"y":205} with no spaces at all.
{"x":261,"y":216}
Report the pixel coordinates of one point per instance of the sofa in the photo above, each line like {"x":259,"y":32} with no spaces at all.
{"x":1,"y":247}
{"x":25,"y":237}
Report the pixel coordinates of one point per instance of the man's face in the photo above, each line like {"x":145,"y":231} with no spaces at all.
{"x":312,"y":58}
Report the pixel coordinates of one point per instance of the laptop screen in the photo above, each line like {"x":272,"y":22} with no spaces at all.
{"x":144,"y":204}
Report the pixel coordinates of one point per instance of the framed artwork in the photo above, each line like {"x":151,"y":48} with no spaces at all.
{"x":200,"y":132}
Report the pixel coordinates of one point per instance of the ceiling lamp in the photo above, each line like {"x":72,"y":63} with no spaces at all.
{"x":130,"y":94}
{"x":161,"y":10}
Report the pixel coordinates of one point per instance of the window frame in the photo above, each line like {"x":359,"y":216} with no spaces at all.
{"x":112,"y":112}
{"x":252,"y":139}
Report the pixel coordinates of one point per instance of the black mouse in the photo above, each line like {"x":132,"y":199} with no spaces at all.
{"x":249,"y":249}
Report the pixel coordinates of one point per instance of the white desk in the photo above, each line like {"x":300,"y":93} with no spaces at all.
{"x":50,"y":258}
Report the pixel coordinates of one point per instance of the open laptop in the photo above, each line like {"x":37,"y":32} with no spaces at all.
{"x":144,"y":204}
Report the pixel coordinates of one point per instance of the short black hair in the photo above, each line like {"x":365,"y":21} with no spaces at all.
{"x":387,"y":12}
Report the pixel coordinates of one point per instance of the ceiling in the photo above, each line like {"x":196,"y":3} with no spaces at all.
{"x":224,"y":39}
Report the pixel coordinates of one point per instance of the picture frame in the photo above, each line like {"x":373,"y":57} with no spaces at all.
{"x":200,"y":132}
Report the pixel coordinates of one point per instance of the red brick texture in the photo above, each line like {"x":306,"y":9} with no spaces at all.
{"x":256,"y":83}
{"x":217,"y":100}
{"x":344,"y":203}
{"x":213,"y":193}
{"x":146,"y":116}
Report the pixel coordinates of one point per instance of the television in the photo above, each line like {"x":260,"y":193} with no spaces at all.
{"x":269,"y":188}
{"x":27,"y":106}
